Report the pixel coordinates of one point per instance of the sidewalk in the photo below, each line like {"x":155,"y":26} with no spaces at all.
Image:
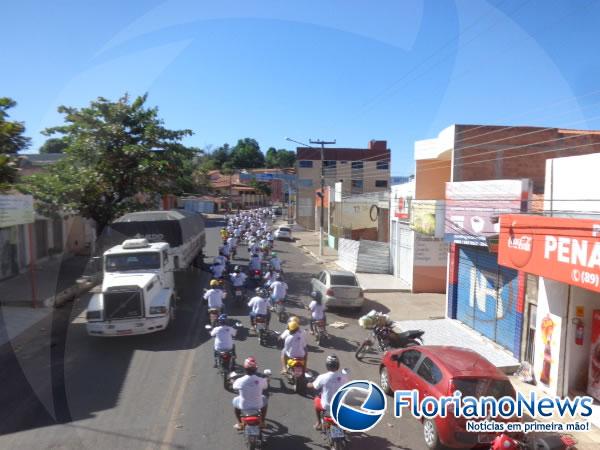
{"x":56,"y":281}
{"x":308,"y":241}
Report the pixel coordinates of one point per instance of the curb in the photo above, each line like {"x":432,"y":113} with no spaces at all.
{"x":82,"y":286}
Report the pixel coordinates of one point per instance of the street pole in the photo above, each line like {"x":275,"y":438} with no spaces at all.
{"x":322,"y":143}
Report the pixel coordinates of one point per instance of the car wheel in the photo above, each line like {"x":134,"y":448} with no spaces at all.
{"x":430,"y":435}
{"x":384,"y":381}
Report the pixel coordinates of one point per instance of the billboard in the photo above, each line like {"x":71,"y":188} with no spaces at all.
{"x":427,"y":217}
{"x":561,"y":249}
{"x":473,"y":208}
{"x":16,"y":210}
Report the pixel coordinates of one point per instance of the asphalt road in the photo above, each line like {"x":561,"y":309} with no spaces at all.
{"x":64,"y":390}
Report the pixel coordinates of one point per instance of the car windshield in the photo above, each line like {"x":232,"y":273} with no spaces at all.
{"x":132,"y":261}
{"x":286,"y":230}
{"x":343,"y":280}
{"x":478,"y":387}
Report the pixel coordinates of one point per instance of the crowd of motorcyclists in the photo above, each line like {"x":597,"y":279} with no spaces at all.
{"x":252,"y":228}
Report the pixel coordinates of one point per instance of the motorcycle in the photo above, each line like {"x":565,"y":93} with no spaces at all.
{"x":225,"y":362}
{"x":335,"y":436}
{"x":213,"y":316}
{"x":260,"y":323}
{"x":320,"y":331}
{"x":254,"y":438}
{"x":238,"y":295}
{"x":296,"y":374}
{"x":386,"y":338}
{"x":256,"y":276}
{"x":553,"y":442}
{"x":279,"y":309}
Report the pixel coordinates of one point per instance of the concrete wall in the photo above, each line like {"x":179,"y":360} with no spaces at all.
{"x":431,"y":177}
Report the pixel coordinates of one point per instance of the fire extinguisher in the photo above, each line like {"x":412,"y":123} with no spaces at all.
{"x":578,"y":331}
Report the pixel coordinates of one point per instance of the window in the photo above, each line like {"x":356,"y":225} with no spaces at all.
{"x":358,"y":184}
{"x":343,"y":280}
{"x":383,"y":165}
{"x":381,"y":183}
{"x":410,"y":358}
{"x":357,"y":165}
{"x":430,"y":372}
{"x":305,"y":183}
{"x":305,"y":164}
{"x":329,"y":164}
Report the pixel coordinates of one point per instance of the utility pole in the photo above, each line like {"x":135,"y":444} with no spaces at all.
{"x":322,"y":144}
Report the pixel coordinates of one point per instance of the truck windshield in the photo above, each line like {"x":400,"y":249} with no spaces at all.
{"x":132,"y":261}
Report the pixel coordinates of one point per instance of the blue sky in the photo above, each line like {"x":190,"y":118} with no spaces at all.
{"x":339,"y":69}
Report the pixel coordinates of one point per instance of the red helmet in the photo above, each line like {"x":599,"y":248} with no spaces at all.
{"x":250,"y":363}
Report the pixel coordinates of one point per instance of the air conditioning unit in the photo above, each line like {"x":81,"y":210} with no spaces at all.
{"x":136,"y":243}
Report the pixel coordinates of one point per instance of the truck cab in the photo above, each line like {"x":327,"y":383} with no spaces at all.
{"x":137,"y":295}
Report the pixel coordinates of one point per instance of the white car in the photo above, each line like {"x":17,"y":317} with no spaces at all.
{"x":283,"y":232}
{"x":339,"y":288}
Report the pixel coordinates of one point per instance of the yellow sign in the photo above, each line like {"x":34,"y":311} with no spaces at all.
{"x":16,"y":210}
{"x":579,"y":311}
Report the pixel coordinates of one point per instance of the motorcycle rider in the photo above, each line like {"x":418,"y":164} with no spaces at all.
{"x":328,"y":383}
{"x":250,"y":388}
{"x":232,"y":243}
{"x":275,"y":262}
{"x":259,"y":306}
{"x":254,"y":263}
{"x":278,"y":289}
{"x":269,"y":277}
{"x":217,"y":270}
{"x":223,"y":335}
{"x":224,"y":234}
{"x":317,"y":310}
{"x":294,"y":345}
{"x":238,"y":278}
{"x":214,"y":296}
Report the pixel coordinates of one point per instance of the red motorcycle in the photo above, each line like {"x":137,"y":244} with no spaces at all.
{"x":553,"y":442}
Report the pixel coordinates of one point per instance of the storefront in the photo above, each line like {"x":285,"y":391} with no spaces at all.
{"x":565,"y":254}
{"x":482,"y":294}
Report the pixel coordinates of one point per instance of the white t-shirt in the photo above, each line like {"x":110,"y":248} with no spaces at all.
{"x":317,"y":310}
{"x":215,"y":298}
{"x":258,"y":305}
{"x":217,"y":270}
{"x":232,"y":242}
{"x":251,"y":389}
{"x":276,"y":263}
{"x":329,"y":383}
{"x":279,"y":290}
{"x":254,"y":263}
{"x":238,"y":279}
{"x":223,"y":337}
{"x":294,"y":345}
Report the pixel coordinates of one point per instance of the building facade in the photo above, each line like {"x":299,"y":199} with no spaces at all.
{"x":360,"y":171}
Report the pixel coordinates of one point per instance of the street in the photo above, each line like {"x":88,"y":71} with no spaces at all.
{"x":160,"y":391}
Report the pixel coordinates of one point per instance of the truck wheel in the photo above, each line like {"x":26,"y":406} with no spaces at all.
{"x":171,"y":316}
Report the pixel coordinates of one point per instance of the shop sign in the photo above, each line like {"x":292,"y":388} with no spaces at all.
{"x":427,"y":217}
{"x":16,"y":210}
{"x":473,"y":208}
{"x":561,"y":249}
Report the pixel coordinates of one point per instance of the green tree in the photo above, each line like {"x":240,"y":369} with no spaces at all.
{"x":12,"y":141}
{"x":54,"y":145}
{"x":261,"y":187}
{"x":279,"y":158}
{"x":120,"y":156}
{"x":247,"y":155}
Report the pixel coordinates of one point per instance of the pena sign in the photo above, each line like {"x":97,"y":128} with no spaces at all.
{"x":561,"y":249}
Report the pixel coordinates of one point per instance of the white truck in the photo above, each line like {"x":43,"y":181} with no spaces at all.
{"x":138,"y":290}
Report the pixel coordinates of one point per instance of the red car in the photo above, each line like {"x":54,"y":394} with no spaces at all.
{"x":439,"y":371}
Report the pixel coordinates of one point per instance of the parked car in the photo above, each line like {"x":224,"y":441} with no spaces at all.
{"x":339,"y":288}
{"x":283,"y":232}
{"x":277,"y":210}
{"x":440,"y":371}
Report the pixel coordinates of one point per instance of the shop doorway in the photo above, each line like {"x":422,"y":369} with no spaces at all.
{"x":530,"y":334}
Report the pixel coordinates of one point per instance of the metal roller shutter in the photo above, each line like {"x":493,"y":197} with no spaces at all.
{"x":487,"y":296}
